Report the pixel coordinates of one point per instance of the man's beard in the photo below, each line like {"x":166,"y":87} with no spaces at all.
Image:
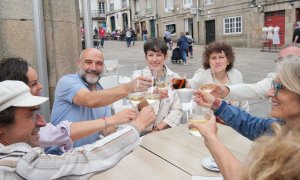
{"x":87,"y":79}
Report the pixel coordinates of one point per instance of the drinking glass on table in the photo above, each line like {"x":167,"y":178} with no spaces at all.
{"x":199,"y":115}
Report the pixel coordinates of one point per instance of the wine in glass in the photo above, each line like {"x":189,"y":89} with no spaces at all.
{"x":198,"y":115}
{"x":208,"y":88}
{"x":136,"y":98}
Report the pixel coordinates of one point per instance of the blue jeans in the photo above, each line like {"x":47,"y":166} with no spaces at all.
{"x":183,"y":55}
{"x":145,"y":38}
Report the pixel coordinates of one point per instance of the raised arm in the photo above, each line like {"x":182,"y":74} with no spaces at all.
{"x":230,"y":167}
{"x":92,"y":99}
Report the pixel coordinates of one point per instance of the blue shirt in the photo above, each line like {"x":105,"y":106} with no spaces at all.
{"x":65,"y":109}
{"x":244,"y":123}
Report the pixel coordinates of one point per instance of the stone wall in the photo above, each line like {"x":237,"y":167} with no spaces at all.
{"x":62,"y":35}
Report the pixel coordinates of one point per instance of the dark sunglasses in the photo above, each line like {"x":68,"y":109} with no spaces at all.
{"x":277,"y":86}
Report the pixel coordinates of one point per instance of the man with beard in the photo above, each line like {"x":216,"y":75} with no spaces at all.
{"x":21,"y":156}
{"x":80,"y":97}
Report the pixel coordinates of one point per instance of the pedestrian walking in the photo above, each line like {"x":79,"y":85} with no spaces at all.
{"x":168,"y":39}
{"x":190,"y":41}
{"x":102,"y":36}
{"x":128,"y":37}
{"x":144,"y":34}
{"x":183,"y":46}
{"x":133,"y":35}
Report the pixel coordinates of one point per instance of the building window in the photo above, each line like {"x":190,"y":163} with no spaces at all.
{"x":148,"y":6}
{"x":137,"y":5}
{"x":101,"y":8}
{"x":187,"y":2}
{"x":171,"y":28}
{"x":208,"y":2}
{"x":124,"y":3}
{"x":169,"y":5}
{"x":233,"y":25}
{"x":111,"y":5}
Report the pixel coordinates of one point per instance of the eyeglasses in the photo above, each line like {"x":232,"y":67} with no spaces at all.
{"x":277,"y":86}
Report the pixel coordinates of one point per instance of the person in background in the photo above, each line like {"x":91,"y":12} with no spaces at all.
{"x":95,"y":33}
{"x":144,"y":34}
{"x":102,"y":36}
{"x":190,"y":41}
{"x":80,"y":97}
{"x":183,"y":47}
{"x":218,"y":61}
{"x":128,"y":37}
{"x":168,"y":39}
{"x":65,"y":132}
{"x":21,"y":156}
{"x":133,"y":35}
{"x":296,"y":34}
{"x":169,"y":112}
{"x":276,"y":155}
{"x":259,"y":89}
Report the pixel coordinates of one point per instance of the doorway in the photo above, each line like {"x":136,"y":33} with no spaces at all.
{"x":188,"y":26}
{"x":152,"y":28}
{"x":113,"y":23}
{"x":210,"y":31}
{"x":125,"y":21}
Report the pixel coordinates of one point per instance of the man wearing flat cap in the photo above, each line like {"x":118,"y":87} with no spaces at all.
{"x":22,"y":158}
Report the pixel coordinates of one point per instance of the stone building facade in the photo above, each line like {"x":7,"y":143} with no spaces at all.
{"x":238,"y":22}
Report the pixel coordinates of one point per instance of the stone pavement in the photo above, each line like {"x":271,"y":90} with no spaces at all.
{"x":254,"y":65}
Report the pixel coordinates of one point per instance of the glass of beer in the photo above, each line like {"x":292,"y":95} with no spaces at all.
{"x":198,"y":115}
{"x":178,"y":81}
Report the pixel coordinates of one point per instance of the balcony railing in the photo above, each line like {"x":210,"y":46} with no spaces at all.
{"x":124,"y":4}
{"x":94,"y":14}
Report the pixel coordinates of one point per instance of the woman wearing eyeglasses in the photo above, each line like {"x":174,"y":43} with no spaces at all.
{"x":285,"y":114}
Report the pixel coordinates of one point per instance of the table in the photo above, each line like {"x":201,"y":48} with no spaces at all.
{"x":186,"y":151}
{"x":142,"y":164}
{"x":173,"y":154}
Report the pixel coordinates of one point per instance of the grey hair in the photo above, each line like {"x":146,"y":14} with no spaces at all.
{"x":296,"y":45}
{"x":288,"y":71}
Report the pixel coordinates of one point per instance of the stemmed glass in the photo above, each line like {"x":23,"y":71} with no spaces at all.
{"x":162,"y":83}
{"x":152,"y":94}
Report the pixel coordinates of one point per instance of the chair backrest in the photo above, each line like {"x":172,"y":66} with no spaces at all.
{"x":111,"y":66}
{"x":109,"y":81}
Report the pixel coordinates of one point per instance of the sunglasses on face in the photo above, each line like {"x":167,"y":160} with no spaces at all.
{"x":277,"y":86}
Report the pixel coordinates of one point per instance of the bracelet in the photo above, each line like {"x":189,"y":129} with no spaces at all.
{"x":216,"y":104}
{"x":106,"y":125}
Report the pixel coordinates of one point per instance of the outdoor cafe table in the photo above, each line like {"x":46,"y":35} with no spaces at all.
{"x":142,"y":164}
{"x":173,"y":154}
{"x":186,"y":151}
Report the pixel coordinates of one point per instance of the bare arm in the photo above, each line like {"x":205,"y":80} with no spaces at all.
{"x":230,"y":167}
{"x":93,"y":99}
{"x":85,"y":128}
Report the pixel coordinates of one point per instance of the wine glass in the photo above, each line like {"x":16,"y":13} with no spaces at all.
{"x":208,"y":88}
{"x":199,"y":115}
{"x":162,"y":83}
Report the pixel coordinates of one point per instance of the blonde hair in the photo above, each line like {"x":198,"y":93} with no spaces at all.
{"x":276,"y":157}
{"x":288,"y":71}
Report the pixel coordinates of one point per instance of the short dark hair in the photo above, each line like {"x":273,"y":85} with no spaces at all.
{"x":14,"y":69}
{"x":218,"y":47}
{"x":7,"y":116}
{"x":156,"y":45}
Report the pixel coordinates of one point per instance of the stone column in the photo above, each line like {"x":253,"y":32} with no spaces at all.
{"x":62,"y":35}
